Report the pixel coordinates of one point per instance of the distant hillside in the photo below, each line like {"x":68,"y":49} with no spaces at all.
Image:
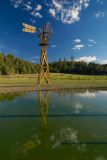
{"x":9,"y":64}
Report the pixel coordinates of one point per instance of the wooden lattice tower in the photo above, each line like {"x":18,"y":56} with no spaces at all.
{"x":44,"y":35}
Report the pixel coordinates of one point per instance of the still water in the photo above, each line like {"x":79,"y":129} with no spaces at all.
{"x":54,"y":126}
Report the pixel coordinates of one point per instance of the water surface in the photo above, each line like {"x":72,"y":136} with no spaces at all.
{"x":52,"y":125}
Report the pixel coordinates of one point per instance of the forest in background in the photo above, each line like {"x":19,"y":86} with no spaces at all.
{"x":81,"y":67}
{"x":9,"y":64}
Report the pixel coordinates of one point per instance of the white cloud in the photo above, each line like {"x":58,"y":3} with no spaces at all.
{"x":34,"y":59}
{"x":99,"y":14}
{"x":103,"y":61}
{"x":38,"y":8}
{"x":68,"y":14}
{"x":87,"y":59}
{"x":78,"y":44}
{"x":66,"y":11}
{"x":85,"y":3}
{"x":16,"y":3}
{"x":52,"y":12}
{"x":36,"y":14}
{"x":57,"y":4}
{"x":78,"y":47}
{"x":53,"y":46}
{"x":92,"y":41}
{"x":77,"y":40}
{"x":27,"y":6}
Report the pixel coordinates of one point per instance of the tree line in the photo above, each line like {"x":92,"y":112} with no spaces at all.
{"x":9,"y":64}
{"x":81,"y":67}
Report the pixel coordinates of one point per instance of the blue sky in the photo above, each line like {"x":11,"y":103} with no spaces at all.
{"x":79,"y":28}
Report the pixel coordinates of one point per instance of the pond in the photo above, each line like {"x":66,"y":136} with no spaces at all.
{"x":54,"y":125}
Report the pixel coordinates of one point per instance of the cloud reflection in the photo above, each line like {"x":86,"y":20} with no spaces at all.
{"x":66,"y":135}
{"x":100,"y":158}
{"x":87,"y":94}
{"x":78,"y":107}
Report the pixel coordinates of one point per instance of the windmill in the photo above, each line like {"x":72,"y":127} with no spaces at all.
{"x":44,"y":34}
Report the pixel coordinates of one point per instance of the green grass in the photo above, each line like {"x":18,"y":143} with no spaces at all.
{"x":58,"y":80}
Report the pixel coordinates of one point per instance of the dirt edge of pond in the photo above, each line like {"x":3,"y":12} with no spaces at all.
{"x":14,"y":89}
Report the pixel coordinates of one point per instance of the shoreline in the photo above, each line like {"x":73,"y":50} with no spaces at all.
{"x":20,"y":89}
{"x":59,"y":82}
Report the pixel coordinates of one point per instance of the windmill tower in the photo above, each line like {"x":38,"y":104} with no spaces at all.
{"x":44,"y":34}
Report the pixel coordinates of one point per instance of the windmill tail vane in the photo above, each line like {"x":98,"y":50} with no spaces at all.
{"x":29,"y":28}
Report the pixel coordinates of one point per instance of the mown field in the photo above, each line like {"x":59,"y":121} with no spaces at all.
{"x":58,"y":80}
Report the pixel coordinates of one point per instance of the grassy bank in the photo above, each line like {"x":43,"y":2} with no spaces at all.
{"x":58,"y":80}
